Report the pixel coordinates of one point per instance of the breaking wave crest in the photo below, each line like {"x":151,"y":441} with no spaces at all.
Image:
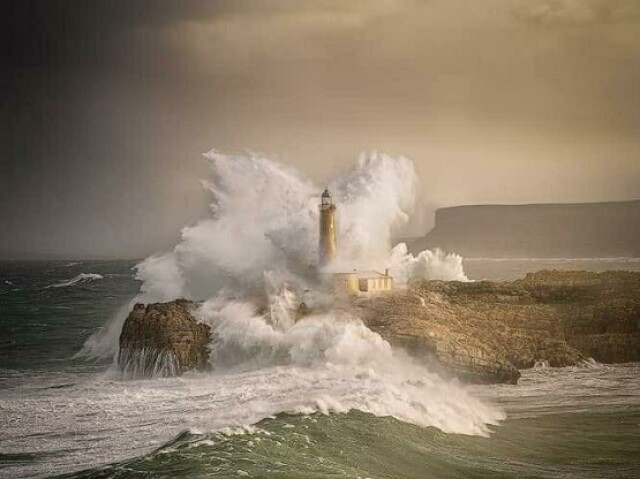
{"x":81,"y":278}
{"x":253,"y":261}
{"x":345,"y":366}
{"x":265,"y":217}
{"x":262,"y":234}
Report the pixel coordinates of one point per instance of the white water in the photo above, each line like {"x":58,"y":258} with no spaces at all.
{"x":87,"y":420}
{"x":323,"y":363}
{"x":263,"y":234}
{"x":80,"y":278}
{"x":265,"y":219}
{"x":93,"y":420}
{"x":425,"y":265}
{"x":252,"y":262}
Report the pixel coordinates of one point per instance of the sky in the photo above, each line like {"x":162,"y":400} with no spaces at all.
{"x":107,"y":106}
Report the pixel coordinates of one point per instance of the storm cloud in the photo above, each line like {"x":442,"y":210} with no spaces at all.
{"x":107,"y":106}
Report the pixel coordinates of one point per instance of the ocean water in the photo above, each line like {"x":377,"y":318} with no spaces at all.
{"x":338,"y":414}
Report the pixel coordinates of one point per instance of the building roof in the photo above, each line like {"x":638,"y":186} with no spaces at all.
{"x":371,"y":274}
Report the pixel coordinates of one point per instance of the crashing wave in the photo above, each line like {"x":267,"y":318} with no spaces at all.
{"x":81,"y":278}
{"x":265,"y":217}
{"x":427,"y":264}
{"x":145,"y":362}
{"x":253,"y":261}
{"x":262,"y":234}
{"x":541,"y":364}
{"x":333,"y":363}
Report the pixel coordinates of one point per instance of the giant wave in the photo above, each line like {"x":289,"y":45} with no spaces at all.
{"x":251,"y":261}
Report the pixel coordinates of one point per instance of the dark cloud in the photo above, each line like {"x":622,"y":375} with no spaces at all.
{"x":107,"y":105}
{"x":37,"y":32}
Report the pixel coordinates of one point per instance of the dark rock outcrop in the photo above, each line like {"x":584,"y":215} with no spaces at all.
{"x":163,"y":339}
{"x":584,"y":230}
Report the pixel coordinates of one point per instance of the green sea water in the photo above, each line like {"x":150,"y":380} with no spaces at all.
{"x":597,"y":443}
{"x":61,"y":413}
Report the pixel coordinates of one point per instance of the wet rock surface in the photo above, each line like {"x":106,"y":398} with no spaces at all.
{"x":481,"y":331}
{"x":487,"y":330}
{"x":163,"y":339}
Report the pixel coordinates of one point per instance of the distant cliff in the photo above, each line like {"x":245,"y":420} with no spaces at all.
{"x":586,"y":230}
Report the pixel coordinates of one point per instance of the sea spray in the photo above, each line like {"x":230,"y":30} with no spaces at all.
{"x":265,"y":218}
{"x":103,"y":344}
{"x":344,"y":365}
{"x":374,"y":200}
{"x":65,"y":416}
{"x":437,"y":264}
{"x":253,"y":263}
{"x":265,"y":224}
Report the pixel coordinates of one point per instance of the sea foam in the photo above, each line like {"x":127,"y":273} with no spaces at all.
{"x":251,"y":263}
{"x":81,"y":278}
{"x":265,"y":219}
{"x":263,"y":233}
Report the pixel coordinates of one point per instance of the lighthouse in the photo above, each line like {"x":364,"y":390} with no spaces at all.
{"x":352,"y":283}
{"x":328,"y":245}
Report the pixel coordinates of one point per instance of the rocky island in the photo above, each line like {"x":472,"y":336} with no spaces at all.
{"x":481,"y":331}
{"x":163,"y":338}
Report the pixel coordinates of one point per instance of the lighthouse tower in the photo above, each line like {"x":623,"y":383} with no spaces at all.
{"x":328,"y":246}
